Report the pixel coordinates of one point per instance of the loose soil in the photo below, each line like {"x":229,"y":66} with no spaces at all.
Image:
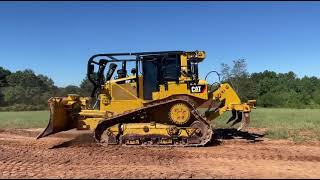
{"x":74,"y":154}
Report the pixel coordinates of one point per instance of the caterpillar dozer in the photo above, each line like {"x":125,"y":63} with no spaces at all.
{"x":157,"y":104}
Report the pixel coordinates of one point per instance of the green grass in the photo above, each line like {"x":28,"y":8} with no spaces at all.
{"x":295,"y":124}
{"x":24,"y":119}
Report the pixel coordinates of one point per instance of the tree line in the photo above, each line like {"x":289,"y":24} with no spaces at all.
{"x":272,"y":89}
{"x":24,"y":90}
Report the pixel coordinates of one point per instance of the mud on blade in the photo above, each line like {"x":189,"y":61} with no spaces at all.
{"x":60,"y":117}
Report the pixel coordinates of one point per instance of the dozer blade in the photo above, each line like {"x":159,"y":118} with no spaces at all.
{"x":60,"y":117}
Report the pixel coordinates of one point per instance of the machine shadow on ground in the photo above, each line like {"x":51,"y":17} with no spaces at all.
{"x":82,"y":139}
{"x":222,"y":134}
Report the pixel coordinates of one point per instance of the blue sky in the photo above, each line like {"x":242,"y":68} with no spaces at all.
{"x":57,"y":38}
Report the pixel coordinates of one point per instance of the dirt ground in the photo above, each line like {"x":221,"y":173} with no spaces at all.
{"x":74,"y":154}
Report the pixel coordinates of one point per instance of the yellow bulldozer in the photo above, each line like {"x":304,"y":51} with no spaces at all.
{"x":157,"y":104}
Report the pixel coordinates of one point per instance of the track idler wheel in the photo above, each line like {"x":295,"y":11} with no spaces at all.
{"x":200,"y":134}
{"x":108,"y":137}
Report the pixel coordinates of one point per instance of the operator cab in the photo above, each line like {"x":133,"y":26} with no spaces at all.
{"x":158,"y":68}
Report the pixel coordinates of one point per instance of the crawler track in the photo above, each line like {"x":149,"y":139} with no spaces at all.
{"x":132,"y":117}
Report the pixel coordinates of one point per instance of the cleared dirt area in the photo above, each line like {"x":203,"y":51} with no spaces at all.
{"x":74,"y":154}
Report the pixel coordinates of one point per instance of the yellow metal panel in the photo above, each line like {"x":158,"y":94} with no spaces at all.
{"x":153,"y":128}
{"x":184,"y":68}
{"x":183,"y":59}
{"x":92,"y":113}
{"x":119,"y":106}
{"x":123,"y":92}
{"x":88,"y":123}
{"x":174,"y":89}
{"x":225,"y":92}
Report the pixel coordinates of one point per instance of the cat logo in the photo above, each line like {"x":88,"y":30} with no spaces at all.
{"x":197,"y":88}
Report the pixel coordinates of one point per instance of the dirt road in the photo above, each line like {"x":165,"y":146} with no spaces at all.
{"x":74,"y":154}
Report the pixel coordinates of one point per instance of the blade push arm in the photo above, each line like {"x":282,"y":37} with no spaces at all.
{"x":230,"y":101}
